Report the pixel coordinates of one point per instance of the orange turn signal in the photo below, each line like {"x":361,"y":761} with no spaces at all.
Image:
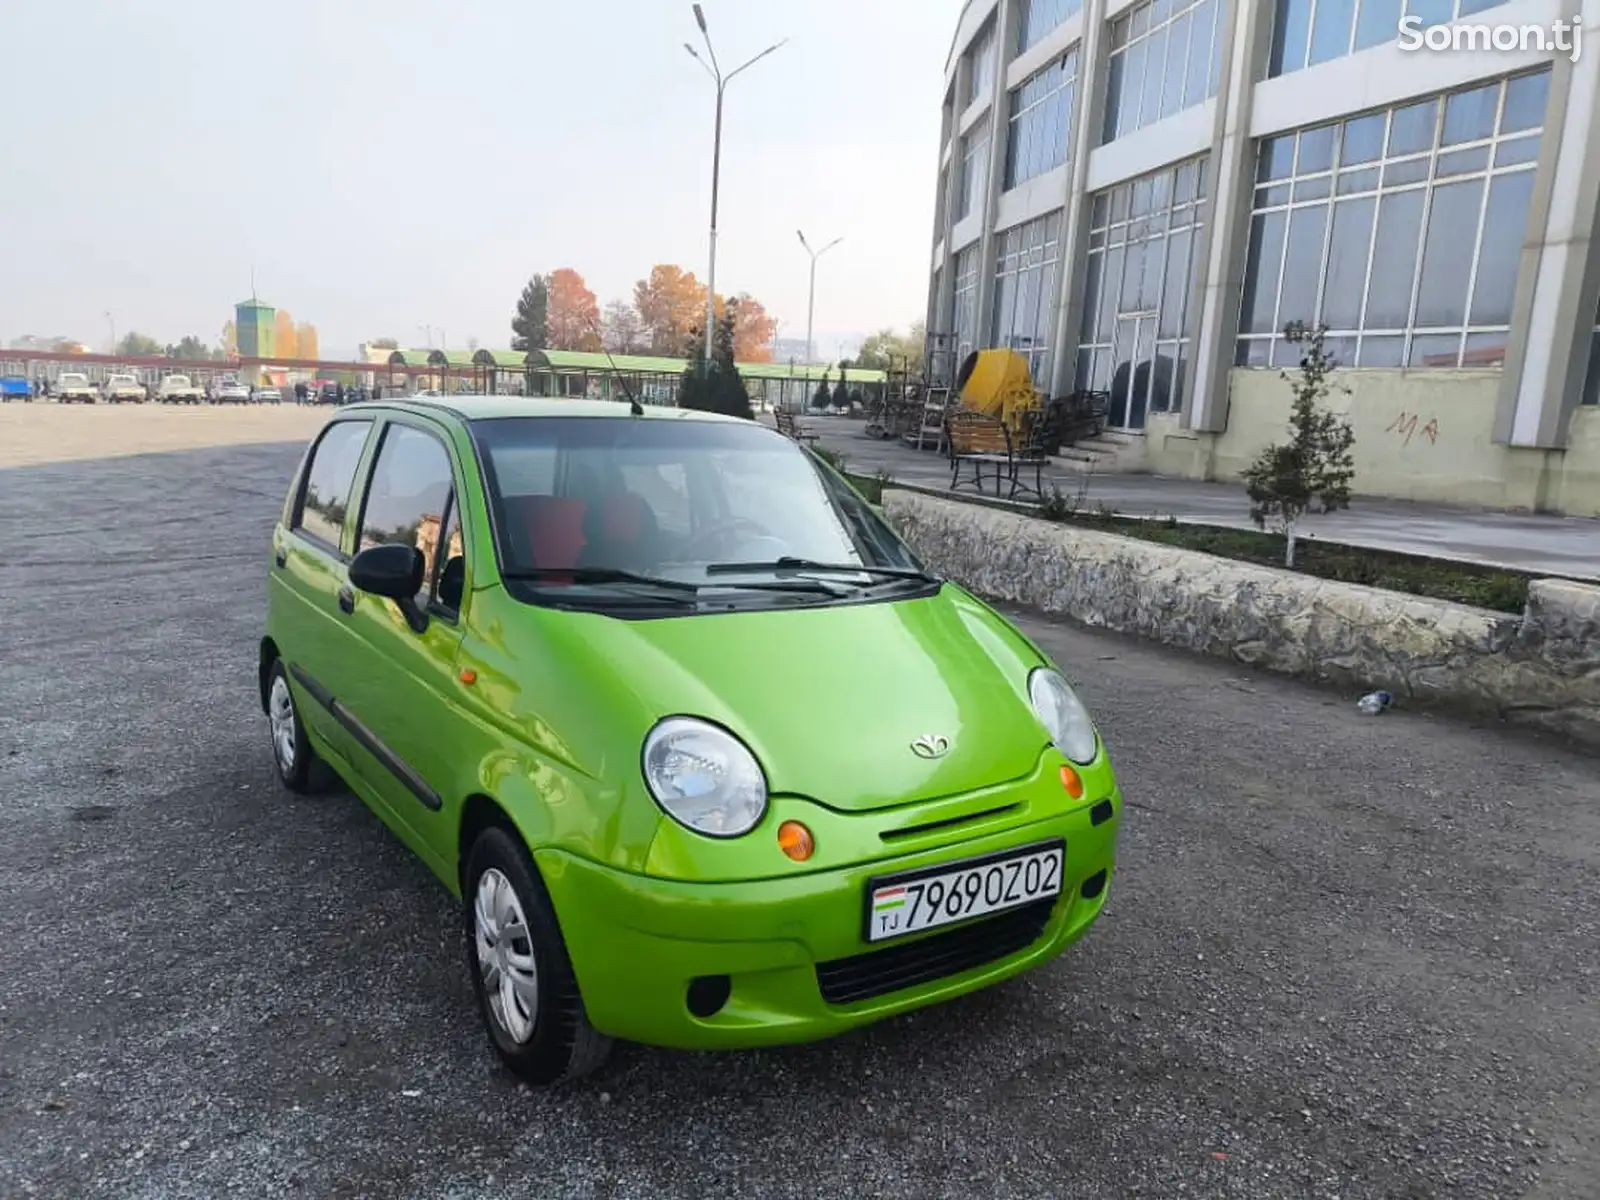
{"x":469,"y":676}
{"x":1071,"y":781}
{"x":795,"y":840}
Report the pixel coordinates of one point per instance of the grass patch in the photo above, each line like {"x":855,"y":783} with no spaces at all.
{"x":1464,"y":583}
{"x":870,"y":486}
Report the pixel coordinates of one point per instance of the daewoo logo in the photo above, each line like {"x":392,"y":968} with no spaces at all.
{"x":931,"y":745}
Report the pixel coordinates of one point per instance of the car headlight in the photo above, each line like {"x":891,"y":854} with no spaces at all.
{"x":1062,"y":714}
{"x":704,"y":778}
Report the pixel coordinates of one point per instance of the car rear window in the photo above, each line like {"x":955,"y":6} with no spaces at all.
{"x":329,"y":478}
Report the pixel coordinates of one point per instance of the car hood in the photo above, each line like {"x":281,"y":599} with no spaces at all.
{"x":832,"y":699}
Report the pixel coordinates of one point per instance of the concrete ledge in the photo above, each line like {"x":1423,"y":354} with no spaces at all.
{"x":1541,"y":669}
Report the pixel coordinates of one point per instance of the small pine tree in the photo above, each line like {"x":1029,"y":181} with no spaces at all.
{"x":717,"y":386}
{"x":841,"y":392}
{"x":823,"y":395}
{"x":1313,"y":470}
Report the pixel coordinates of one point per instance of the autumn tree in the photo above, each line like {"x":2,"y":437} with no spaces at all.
{"x":670,"y":303}
{"x":621,"y":329}
{"x":753,"y":330}
{"x":284,"y":342}
{"x":531,"y":326}
{"x":385,"y":343}
{"x":573,"y":313}
{"x":230,"y":340}
{"x":192,"y":349}
{"x":306,"y":342}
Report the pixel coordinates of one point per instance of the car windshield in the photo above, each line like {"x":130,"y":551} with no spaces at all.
{"x":74,"y":380}
{"x":177,"y":381}
{"x":122,"y":381}
{"x":624,"y":506}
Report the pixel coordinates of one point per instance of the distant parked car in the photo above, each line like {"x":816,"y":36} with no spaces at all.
{"x":15,"y":387}
{"x":231,"y":391}
{"x":121,"y":389}
{"x":72,"y":388}
{"x":180,"y":389}
{"x":268,"y":395}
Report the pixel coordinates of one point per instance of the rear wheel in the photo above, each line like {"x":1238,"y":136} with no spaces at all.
{"x":523,"y":979}
{"x":299,"y":768}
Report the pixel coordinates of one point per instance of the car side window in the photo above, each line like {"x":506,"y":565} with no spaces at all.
{"x":329,"y":478}
{"x":409,"y":497}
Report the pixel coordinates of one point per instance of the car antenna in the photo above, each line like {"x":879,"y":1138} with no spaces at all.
{"x":634,"y":406}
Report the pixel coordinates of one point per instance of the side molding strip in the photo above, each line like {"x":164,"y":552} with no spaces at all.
{"x":369,"y":741}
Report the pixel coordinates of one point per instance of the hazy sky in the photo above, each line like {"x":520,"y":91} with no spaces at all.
{"x":385,"y":164}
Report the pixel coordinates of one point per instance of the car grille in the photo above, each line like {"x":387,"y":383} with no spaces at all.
{"x":879,"y":972}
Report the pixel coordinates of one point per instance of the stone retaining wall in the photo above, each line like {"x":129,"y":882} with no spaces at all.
{"x":1542,"y":668}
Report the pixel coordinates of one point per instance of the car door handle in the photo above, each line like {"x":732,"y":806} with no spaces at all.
{"x":347,"y":599}
{"x":281,"y":558}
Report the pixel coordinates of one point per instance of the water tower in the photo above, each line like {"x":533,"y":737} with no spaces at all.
{"x":254,"y":325}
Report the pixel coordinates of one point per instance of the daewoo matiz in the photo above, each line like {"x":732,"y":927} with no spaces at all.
{"x":710,"y":759}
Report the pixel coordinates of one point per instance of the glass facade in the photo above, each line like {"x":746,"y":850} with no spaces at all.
{"x":964,"y":312}
{"x":1308,"y":32}
{"x":1166,"y":56}
{"x":1402,"y":230}
{"x":1139,"y":283}
{"x":1036,"y":18}
{"x":974,"y":172}
{"x":981,"y":60}
{"x":1026,"y":280}
{"x":1041,"y":120}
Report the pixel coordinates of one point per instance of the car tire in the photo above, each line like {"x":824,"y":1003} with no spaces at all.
{"x":544,"y":1037}
{"x":299,"y":767}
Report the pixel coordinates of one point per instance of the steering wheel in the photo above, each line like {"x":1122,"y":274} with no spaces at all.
{"x":697,"y":546}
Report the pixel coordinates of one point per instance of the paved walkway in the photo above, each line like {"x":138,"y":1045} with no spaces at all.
{"x":1568,"y":546}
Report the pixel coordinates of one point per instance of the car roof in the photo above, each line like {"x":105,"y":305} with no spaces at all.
{"x":488,"y":408}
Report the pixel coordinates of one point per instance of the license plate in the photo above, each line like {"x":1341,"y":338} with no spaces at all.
{"x":909,"y":903}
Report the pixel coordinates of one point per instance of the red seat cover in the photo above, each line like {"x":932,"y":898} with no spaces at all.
{"x":555,"y":529}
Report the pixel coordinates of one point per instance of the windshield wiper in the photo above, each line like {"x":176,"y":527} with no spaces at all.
{"x":582,"y":575}
{"x":791,"y":565}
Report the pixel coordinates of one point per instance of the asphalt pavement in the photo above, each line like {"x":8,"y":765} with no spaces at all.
{"x":1344,"y":956}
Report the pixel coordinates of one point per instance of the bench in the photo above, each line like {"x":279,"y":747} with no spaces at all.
{"x":791,"y":428}
{"x":979,"y":440}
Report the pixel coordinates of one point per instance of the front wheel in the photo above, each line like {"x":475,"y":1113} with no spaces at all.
{"x":521,"y":974}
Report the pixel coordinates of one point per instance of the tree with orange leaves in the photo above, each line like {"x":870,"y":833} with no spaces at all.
{"x":574,"y":313}
{"x":305,"y":337}
{"x":671,"y":302}
{"x":284,"y":342}
{"x":753,"y":330}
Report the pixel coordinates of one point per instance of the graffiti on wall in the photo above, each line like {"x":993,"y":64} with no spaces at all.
{"x":1406,"y":427}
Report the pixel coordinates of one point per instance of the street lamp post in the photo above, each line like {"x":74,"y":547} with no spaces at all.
{"x":714,"y":69}
{"x":112,"y":321}
{"x":811,"y":301}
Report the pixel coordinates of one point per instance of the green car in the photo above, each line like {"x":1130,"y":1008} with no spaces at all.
{"x":709,"y":757}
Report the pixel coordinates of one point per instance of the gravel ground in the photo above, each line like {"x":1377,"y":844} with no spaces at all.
{"x":1344,"y":956}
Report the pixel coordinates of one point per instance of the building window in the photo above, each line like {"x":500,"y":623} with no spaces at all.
{"x":1039,"y":17}
{"x":974,"y":172}
{"x":1591,"y":381}
{"x":1401,"y":230}
{"x":1027,"y":273}
{"x":1308,"y":32}
{"x":1041,"y":120}
{"x":964,"y":312}
{"x":1166,"y":56}
{"x":980,"y":61}
{"x":1139,"y":283}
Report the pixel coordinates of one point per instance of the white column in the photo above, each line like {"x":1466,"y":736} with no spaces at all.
{"x":1557,"y":283}
{"x":1224,"y":243}
{"x":1005,"y":37}
{"x":1087,"y":124}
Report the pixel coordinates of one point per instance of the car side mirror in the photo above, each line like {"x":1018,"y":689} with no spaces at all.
{"x":394,"y":572}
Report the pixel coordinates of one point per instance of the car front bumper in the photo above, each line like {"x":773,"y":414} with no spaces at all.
{"x":637,"y":943}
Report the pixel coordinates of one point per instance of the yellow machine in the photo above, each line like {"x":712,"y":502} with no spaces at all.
{"x":997,"y":382}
